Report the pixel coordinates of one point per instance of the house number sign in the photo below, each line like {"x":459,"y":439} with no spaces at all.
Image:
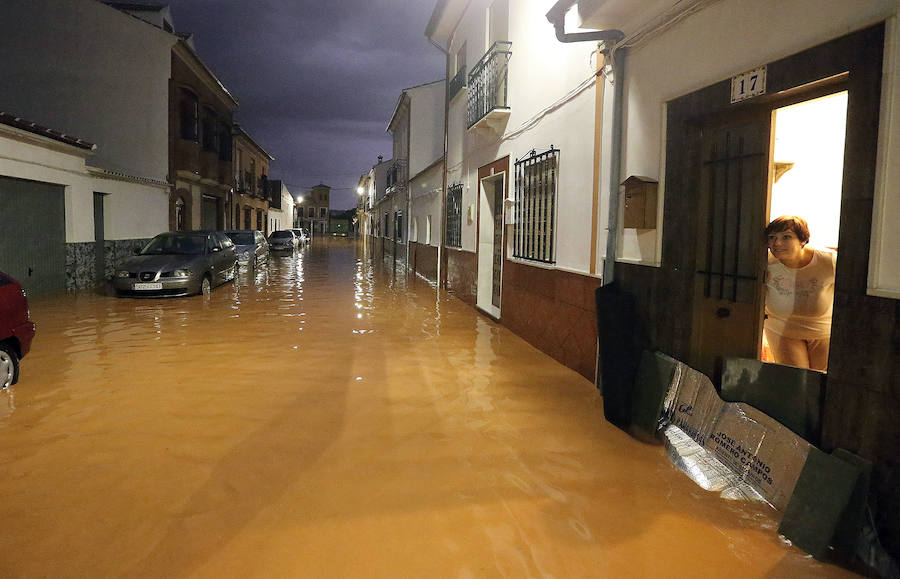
{"x":748,"y":84}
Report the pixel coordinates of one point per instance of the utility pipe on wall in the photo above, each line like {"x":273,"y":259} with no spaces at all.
{"x":609,"y":38}
{"x":440,"y":255}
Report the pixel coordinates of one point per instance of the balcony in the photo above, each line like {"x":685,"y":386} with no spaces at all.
{"x":457,"y":84}
{"x":486,"y":105}
{"x":397,"y":177}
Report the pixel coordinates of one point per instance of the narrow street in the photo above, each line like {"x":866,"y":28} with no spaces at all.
{"x":327,"y":417}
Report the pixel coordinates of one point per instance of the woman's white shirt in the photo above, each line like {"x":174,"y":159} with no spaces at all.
{"x":799,"y":301}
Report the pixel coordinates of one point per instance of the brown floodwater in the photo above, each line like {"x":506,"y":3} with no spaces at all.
{"x":328,"y":417}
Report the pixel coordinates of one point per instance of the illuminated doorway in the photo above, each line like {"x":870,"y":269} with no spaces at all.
{"x":806,"y":171}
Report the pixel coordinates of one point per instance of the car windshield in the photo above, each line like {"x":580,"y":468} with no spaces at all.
{"x":176,"y":244}
{"x":281,"y":235}
{"x":242,"y":238}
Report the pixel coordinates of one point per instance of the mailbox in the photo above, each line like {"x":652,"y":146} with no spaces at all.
{"x":640,"y":202}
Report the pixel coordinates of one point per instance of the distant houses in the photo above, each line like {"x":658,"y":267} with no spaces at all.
{"x":161,"y":125}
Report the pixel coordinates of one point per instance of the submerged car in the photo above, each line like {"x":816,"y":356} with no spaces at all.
{"x":283,"y":240}
{"x":251,"y":247}
{"x":178,"y":264}
{"x":16,"y":329}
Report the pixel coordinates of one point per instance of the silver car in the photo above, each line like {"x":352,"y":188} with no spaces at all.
{"x":178,"y":264}
{"x":251,"y":246}
{"x":283,"y":240}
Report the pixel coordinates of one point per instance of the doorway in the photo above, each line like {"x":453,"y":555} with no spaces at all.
{"x":783,"y":158}
{"x":490,"y":242}
{"x":99,"y":239}
{"x":807,"y":170}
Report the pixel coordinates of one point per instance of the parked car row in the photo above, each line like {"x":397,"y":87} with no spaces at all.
{"x":180,"y":263}
{"x":288,"y":239}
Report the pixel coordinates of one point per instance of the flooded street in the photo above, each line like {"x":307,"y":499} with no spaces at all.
{"x":327,"y":417}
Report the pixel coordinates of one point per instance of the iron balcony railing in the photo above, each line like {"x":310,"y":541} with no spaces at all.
{"x":457,"y":84}
{"x":487,"y":83}
{"x":397,"y":177}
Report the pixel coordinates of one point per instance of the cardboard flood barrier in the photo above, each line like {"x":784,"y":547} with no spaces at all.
{"x":741,"y":452}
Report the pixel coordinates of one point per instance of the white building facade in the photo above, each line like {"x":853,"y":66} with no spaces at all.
{"x":416,"y":175}
{"x":521,"y":223}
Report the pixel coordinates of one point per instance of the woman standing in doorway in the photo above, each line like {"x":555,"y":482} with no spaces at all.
{"x":799,"y":295}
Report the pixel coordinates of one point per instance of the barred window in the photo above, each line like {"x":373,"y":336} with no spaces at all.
{"x":454,"y":215}
{"x":535,"y":208}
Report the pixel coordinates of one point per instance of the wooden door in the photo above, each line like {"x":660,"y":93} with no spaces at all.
{"x":727,"y":316}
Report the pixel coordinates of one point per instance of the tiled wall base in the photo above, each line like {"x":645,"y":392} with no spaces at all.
{"x":423,"y":260}
{"x":553,"y":310}
{"x":461,"y":274}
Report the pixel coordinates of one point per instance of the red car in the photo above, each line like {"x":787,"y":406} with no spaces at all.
{"x":16,"y":329}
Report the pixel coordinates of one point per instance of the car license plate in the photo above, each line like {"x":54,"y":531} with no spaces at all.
{"x":148,"y":286}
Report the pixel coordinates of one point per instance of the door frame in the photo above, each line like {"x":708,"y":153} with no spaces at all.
{"x":498,"y":169}
{"x":852,"y":63}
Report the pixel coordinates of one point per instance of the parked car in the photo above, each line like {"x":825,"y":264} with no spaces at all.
{"x":251,"y":247}
{"x":178,"y":264}
{"x":283,"y":239}
{"x":16,"y":329}
{"x":302,"y":236}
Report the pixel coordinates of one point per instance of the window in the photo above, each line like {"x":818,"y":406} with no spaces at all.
{"x":237,"y":170}
{"x":246,"y":218}
{"x":224,"y":146}
{"x":454,"y":215}
{"x":414,"y":235}
{"x":322,"y":212}
{"x":259,"y":219}
{"x":535,"y":206}
{"x":428,"y":230}
{"x":237,"y":216}
{"x":387,"y":230}
{"x":210,"y":130}
{"x":179,"y":214}
{"x":190,"y":116}
{"x":251,"y":176}
{"x":398,"y":226}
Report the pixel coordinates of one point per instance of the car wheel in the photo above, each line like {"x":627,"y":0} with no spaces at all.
{"x":9,"y":365}
{"x":205,"y":285}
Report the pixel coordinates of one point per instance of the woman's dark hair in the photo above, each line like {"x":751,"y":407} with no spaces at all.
{"x":793,"y":223}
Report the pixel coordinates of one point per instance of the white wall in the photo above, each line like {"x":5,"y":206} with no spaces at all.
{"x":727,"y":38}
{"x":425,"y":200}
{"x":131,"y":210}
{"x":285,"y":215}
{"x":88,"y":70}
{"x":542,"y":72}
{"x":426,"y":126}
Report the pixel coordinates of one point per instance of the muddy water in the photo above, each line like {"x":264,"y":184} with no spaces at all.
{"x":326,"y":417}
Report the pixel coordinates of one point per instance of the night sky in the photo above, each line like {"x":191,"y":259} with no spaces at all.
{"x":317,"y":82}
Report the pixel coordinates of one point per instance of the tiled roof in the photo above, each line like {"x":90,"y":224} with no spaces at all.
{"x":20,"y":123}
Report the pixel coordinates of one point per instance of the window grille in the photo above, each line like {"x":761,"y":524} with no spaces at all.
{"x":454,"y":215}
{"x":535,"y":206}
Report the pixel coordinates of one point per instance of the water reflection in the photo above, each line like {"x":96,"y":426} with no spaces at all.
{"x":328,"y":416}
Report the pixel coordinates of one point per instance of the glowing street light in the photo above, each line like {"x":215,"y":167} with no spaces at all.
{"x":360,"y":190}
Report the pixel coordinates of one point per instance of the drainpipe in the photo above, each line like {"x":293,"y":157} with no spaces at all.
{"x":609,"y":38}
{"x":440,"y":256}
{"x":615,"y":171}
